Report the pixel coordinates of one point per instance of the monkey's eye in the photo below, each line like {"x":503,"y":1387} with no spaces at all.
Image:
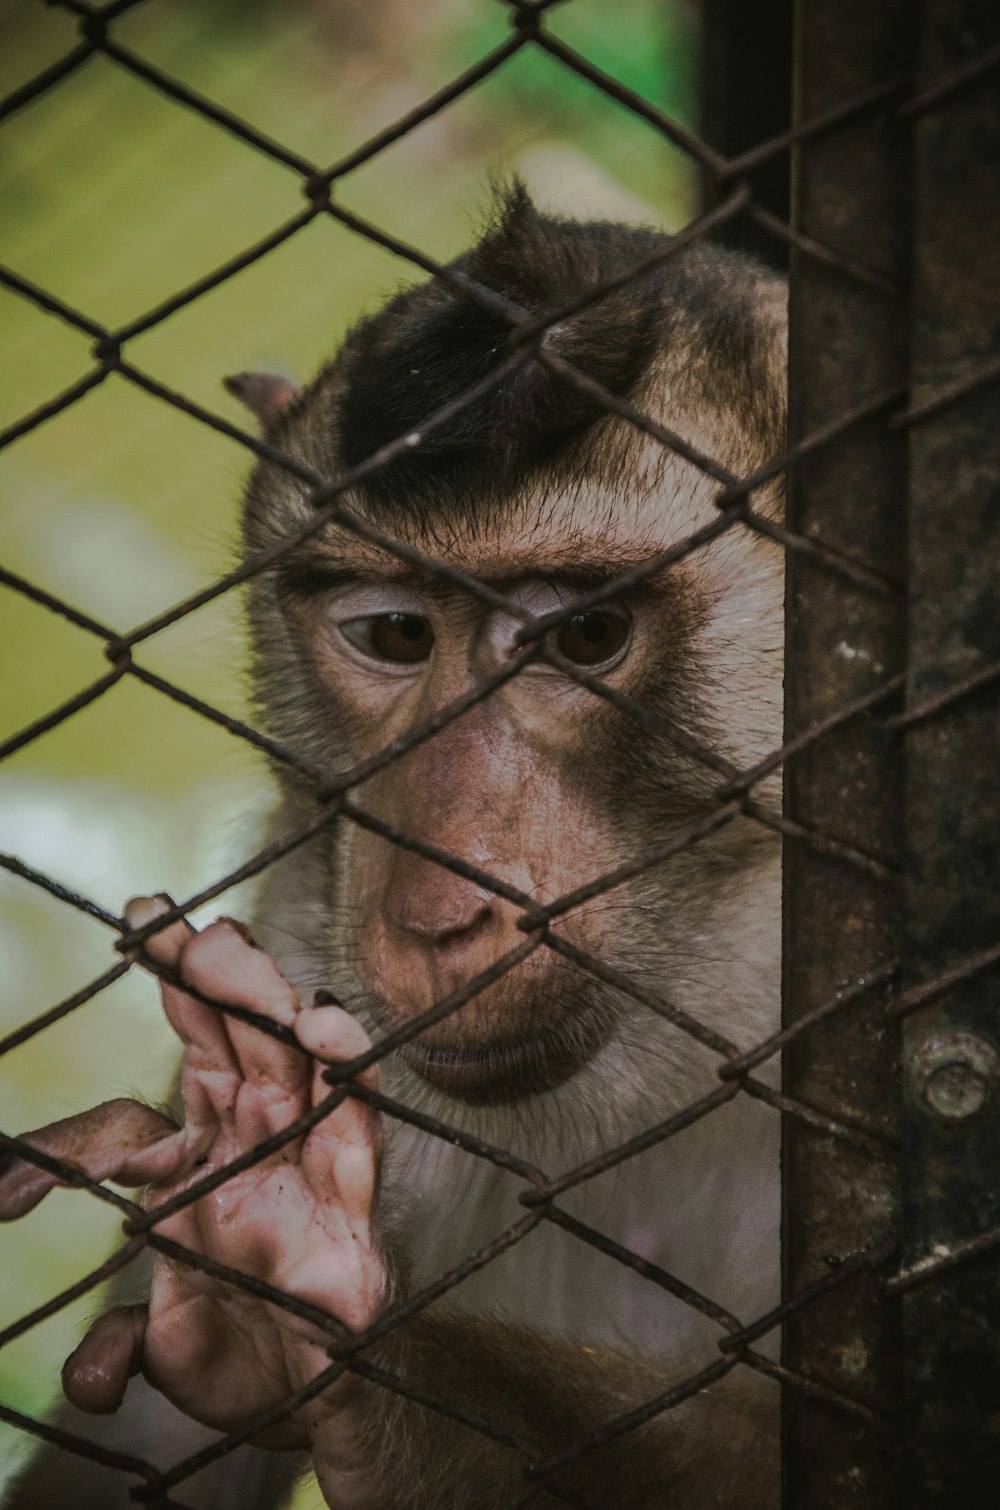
{"x":594,"y":637}
{"x":403,"y":638}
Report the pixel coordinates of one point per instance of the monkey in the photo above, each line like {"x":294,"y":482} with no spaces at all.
{"x":603,"y":745}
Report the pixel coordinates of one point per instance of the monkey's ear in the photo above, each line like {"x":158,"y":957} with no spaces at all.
{"x":267,"y":396}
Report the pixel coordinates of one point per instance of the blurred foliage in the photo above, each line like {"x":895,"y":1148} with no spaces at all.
{"x":115,"y":197}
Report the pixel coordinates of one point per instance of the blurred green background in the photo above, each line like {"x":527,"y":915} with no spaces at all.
{"x":114,"y":197}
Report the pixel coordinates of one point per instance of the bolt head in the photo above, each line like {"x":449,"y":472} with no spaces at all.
{"x":954,"y":1076}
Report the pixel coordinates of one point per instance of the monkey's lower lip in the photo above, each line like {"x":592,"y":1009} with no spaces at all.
{"x":464,"y":1072}
{"x":505,"y":1071}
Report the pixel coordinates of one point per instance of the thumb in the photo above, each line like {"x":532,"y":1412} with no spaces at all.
{"x":95,"y":1374}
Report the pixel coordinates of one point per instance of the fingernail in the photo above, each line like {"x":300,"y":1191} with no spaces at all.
{"x":241,"y":929}
{"x":324,"y":998}
{"x":168,"y":901}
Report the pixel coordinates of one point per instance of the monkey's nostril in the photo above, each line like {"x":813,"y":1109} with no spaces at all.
{"x":442,"y":910}
{"x":452,"y":930}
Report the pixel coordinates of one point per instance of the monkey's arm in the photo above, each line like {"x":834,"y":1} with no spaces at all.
{"x":717,"y":1449}
{"x":302,"y":1221}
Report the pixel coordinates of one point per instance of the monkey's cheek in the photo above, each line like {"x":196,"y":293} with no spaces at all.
{"x":95,"y":1375}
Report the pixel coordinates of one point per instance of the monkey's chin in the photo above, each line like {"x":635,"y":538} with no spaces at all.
{"x":509,"y":1070}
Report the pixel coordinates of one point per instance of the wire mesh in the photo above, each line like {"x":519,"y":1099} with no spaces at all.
{"x":848,"y":977}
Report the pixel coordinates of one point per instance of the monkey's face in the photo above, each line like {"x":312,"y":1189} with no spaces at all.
{"x":539,"y":788}
{"x":542,"y":786}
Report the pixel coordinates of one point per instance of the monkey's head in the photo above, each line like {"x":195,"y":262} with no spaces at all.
{"x":608,"y":747}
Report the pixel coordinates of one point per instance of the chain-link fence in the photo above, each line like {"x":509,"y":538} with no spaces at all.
{"x":889,"y":825}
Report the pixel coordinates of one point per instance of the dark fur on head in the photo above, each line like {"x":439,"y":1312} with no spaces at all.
{"x":429,"y":344}
{"x":701,"y":330}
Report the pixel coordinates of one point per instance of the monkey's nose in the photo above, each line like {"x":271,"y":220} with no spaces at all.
{"x":442,"y":910}
{"x":447,"y":929}
{"x":455,"y":939}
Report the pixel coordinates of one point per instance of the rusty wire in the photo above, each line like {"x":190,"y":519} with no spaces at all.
{"x":734,"y":794}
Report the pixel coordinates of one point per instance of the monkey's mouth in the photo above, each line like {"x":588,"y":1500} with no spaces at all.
{"x":510,"y":1069}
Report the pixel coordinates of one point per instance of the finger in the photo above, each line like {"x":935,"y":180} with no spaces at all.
{"x":165,"y":946}
{"x":331,"y":1033}
{"x":197,"y":1025}
{"x":95,"y":1374}
{"x":222,"y":963}
{"x":349,"y":1141}
{"x":120,"y":1140}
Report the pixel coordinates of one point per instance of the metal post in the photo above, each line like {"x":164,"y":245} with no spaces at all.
{"x":952,"y":1044}
{"x":746,"y":72}
{"x":847,"y":345}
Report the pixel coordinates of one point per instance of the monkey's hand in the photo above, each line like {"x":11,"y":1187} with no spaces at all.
{"x":301,"y":1219}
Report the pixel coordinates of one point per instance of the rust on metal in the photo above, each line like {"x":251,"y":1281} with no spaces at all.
{"x":950,"y":1262}
{"x":847,"y":342}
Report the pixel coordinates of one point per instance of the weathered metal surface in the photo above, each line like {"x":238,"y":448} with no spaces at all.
{"x":746,"y":98}
{"x":952,"y":1320}
{"x":848,"y":342}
